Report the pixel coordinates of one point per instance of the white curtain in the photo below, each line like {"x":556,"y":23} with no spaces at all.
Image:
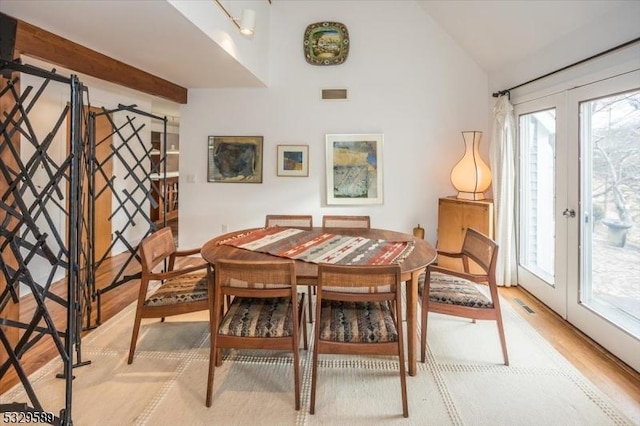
{"x":502,"y":162}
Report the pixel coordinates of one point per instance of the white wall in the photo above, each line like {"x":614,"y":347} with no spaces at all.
{"x":406,"y":79}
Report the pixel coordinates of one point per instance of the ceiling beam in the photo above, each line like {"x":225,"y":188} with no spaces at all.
{"x":41,"y":44}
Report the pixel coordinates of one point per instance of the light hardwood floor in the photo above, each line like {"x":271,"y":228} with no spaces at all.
{"x":617,"y":380}
{"x":614,"y":378}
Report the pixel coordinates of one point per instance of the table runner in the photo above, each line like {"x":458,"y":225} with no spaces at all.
{"x":321,"y":247}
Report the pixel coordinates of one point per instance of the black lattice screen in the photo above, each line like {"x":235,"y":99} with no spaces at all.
{"x":48,"y":217}
{"x":42,"y":226}
{"x":134,"y":191}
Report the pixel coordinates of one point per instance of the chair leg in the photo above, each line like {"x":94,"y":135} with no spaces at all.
{"x":310,"y":290}
{"x":296,"y":370}
{"x":314,"y":377}
{"x":403,"y":386}
{"x":503,"y":340}
{"x":134,"y":336}
{"x":303,"y":323}
{"x":423,"y":329}
{"x":403,"y":368}
{"x":210,"y":376}
{"x":213,"y":355}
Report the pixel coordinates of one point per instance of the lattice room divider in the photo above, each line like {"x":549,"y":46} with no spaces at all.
{"x":36,"y":251}
{"x":134,"y":192}
{"x":47,"y":210}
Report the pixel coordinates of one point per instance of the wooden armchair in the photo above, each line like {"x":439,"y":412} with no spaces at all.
{"x":266,"y":312}
{"x":358,"y":312}
{"x":331,"y":221}
{"x":455,"y":293}
{"x":181,"y":290}
{"x":294,"y":221}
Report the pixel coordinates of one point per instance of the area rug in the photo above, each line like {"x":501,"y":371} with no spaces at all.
{"x":462,"y":383}
{"x":321,"y":247}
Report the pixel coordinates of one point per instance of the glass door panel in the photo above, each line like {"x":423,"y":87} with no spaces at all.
{"x":541,"y":198}
{"x":610,"y":237}
{"x":537,"y":189}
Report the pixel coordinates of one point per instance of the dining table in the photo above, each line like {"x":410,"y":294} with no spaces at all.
{"x":411,"y":267}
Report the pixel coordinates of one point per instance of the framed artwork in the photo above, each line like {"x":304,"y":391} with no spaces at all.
{"x":234,"y":159}
{"x":354,"y":168}
{"x":293,"y":160}
{"x":326,"y":43}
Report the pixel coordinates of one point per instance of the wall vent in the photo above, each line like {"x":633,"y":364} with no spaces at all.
{"x":334,"y":94}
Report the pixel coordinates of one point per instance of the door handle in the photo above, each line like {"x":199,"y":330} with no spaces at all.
{"x":569,"y":213}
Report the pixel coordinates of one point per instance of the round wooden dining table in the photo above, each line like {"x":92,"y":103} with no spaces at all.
{"x":411,"y":267}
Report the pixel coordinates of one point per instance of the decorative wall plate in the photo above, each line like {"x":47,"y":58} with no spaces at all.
{"x":326,"y":43}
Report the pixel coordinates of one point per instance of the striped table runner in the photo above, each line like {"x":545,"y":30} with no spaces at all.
{"x":321,"y":247}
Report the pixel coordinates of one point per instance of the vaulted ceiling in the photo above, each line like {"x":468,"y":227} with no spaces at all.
{"x":494,"y":33}
{"x":499,"y":32}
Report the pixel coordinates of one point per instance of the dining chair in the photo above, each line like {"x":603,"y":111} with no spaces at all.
{"x":456,"y":293}
{"x":357,"y":312}
{"x":182,"y":290}
{"x":294,"y":221}
{"x":289,"y":221}
{"x":266,"y":312}
{"x":332,"y":221}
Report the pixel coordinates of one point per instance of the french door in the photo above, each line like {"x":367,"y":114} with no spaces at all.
{"x":579,"y":208}
{"x":604,"y":285}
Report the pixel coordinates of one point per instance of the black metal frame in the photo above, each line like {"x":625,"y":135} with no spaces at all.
{"x":29,"y":236}
{"x":139,"y":168}
{"x":29,"y":233}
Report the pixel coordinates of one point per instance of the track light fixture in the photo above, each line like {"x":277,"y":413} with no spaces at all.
{"x":246,"y":24}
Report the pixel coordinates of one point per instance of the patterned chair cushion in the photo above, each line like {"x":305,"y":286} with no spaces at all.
{"x":453,"y":290}
{"x":257,"y":317}
{"x":357,"y":322}
{"x":186,"y":288}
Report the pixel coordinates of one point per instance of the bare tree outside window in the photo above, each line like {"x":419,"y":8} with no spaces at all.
{"x":615,"y":141}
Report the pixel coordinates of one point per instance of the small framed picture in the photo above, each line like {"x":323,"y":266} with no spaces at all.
{"x":354,"y":169}
{"x":293,"y":160}
{"x":236,"y":159}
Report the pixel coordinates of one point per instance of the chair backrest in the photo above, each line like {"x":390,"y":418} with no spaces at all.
{"x":155,"y":248}
{"x":330,"y":221}
{"x":358,"y":282}
{"x":289,"y":221}
{"x":481,"y":249}
{"x":270,"y":278}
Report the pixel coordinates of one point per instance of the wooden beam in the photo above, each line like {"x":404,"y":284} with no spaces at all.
{"x":49,"y":47}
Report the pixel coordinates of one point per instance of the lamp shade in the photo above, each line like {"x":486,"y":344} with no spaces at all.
{"x":471,"y":176}
{"x":248,"y":21}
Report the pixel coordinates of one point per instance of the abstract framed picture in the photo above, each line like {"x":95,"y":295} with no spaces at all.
{"x":354,"y":168}
{"x":236,"y":159}
{"x":293,"y":160}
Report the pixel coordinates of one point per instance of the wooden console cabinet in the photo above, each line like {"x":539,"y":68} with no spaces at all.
{"x":454,"y":217}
